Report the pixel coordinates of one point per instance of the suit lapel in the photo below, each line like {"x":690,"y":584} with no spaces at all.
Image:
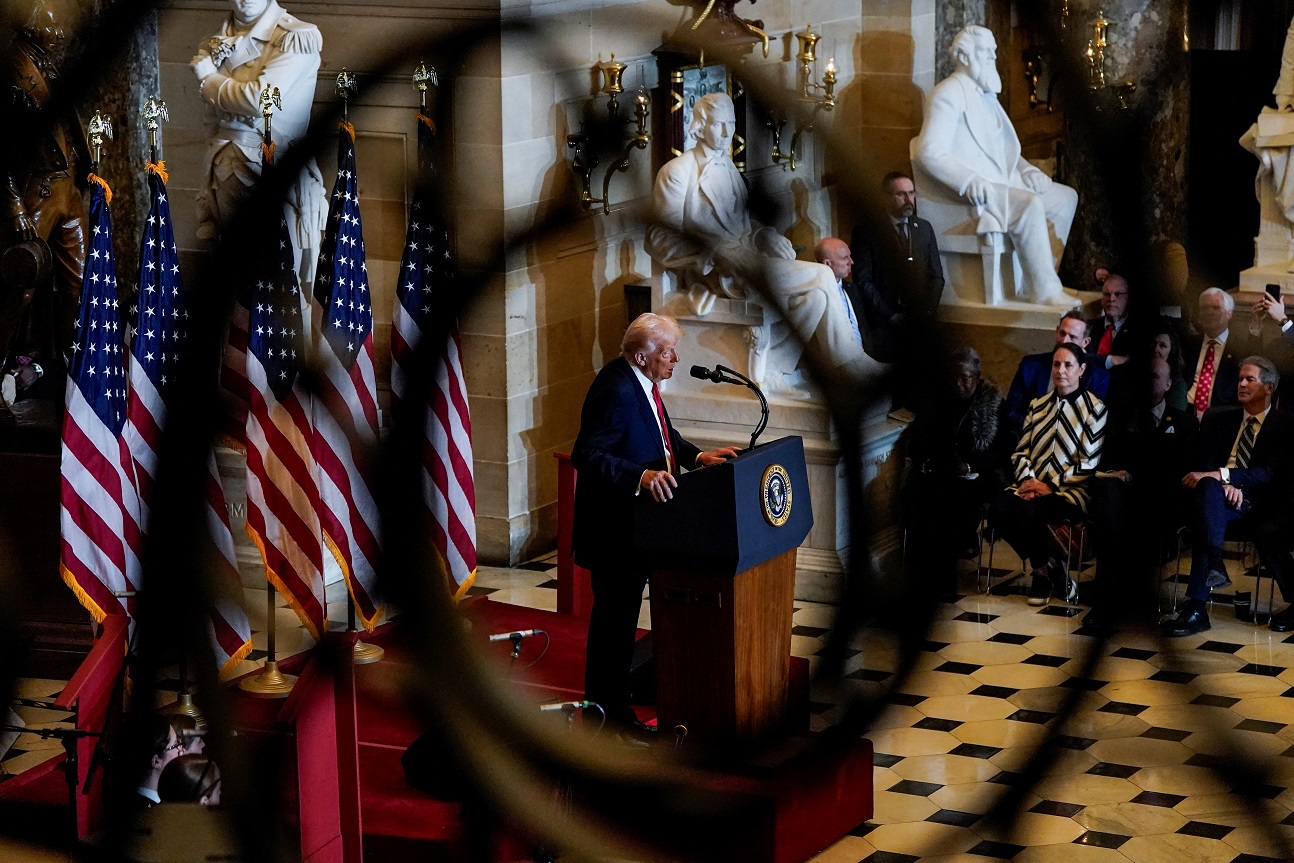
{"x":647,"y":413}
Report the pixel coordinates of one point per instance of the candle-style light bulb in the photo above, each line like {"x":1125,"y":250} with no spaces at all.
{"x":831,"y":65}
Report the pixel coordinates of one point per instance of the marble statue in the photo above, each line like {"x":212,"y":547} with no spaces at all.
{"x":258,"y":46}
{"x":1270,"y":139}
{"x":968,"y":146}
{"x":703,"y":233}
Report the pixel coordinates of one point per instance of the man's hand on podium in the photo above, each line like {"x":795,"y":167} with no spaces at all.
{"x":660,"y":483}
{"x":716,"y":456}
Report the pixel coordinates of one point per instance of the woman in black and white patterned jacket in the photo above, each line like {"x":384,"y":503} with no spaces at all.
{"x":1058,"y":451}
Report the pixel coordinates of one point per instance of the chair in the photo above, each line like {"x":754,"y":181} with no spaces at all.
{"x":1237,"y":532}
{"x":1074,"y":549}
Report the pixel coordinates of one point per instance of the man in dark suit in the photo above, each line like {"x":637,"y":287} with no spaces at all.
{"x":1242,"y":466}
{"x":626,"y":445}
{"x":1212,"y":359}
{"x":1033,"y":377}
{"x":883,"y":296}
{"x":1145,"y":452}
{"x":1112,"y":338}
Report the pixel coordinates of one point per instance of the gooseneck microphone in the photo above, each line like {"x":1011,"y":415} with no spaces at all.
{"x":725,"y":375}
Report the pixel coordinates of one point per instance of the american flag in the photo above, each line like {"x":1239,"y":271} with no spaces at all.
{"x":426,"y":277}
{"x":282,"y":494}
{"x":345,"y":432}
{"x":99,"y":513}
{"x":158,"y":364}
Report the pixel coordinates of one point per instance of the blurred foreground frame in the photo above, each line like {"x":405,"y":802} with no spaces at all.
{"x":582,"y":798}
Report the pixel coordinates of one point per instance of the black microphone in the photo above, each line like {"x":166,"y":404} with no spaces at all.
{"x":725,"y":375}
{"x":566,"y":706}
{"x":517,"y":636}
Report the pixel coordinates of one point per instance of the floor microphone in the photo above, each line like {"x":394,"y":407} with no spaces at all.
{"x":566,"y":705}
{"x":517,"y":635}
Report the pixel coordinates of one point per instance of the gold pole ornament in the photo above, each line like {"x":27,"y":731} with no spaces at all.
{"x":270,"y":102}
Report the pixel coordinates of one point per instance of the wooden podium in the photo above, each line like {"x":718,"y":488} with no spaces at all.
{"x":722,"y":591}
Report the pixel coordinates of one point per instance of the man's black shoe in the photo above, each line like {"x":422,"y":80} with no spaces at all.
{"x":1189,"y":622}
{"x":1283,"y":621}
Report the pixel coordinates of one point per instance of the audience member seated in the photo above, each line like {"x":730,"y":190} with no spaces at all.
{"x":1114,"y":339}
{"x":1132,"y":519}
{"x":1168,"y":347}
{"x":146,"y":743}
{"x":1240,"y":475}
{"x":958,"y":450}
{"x":1059,"y":449}
{"x":190,"y":779}
{"x":1034,"y":376}
{"x":186,"y":732}
{"x":1212,"y":358}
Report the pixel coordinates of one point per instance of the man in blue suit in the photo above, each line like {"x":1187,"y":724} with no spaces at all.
{"x":626,"y":446}
{"x":1033,"y":378}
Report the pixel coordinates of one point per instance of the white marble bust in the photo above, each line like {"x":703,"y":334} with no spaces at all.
{"x":703,"y":232}
{"x":968,"y":145}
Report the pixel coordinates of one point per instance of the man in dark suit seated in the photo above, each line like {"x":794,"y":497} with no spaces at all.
{"x":1240,"y":474}
{"x":1145,"y":452}
{"x":626,"y":446}
{"x":1212,"y":359}
{"x":1111,"y":333}
{"x":1033,"y":377}
{"x":884,"y":297}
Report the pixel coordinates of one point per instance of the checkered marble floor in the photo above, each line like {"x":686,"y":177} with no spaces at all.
{"x":1135,"y":777}
{"x":32,"y":709}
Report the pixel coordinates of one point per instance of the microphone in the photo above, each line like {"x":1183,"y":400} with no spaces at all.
{"x":715,"y":377}
{"x":725,"y":375}
{"x":566,"y":706}
{"x":515,"y":636}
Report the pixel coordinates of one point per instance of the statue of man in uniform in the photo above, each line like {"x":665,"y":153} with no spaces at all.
{"x":260,"y":46}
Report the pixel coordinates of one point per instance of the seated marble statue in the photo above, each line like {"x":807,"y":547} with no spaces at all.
{"x":968,"y":145}
{"x":704,"y":233}
{"x":1271,"y":139}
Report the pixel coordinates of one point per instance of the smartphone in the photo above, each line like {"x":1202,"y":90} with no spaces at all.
{"x":1274,"y":291}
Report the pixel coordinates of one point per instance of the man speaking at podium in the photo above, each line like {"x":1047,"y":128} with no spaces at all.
{"x":626,"y":447}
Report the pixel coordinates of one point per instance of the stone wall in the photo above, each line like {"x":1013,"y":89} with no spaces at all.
{"x":950,"y":17}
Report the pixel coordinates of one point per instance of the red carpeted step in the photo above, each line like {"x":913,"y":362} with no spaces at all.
{"x":390,"y":807}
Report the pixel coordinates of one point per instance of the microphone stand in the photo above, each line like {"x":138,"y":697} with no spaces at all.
{"x":723,"y":373}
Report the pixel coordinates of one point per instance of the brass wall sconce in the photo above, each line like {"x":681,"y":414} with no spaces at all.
{"x":584,"y":154}
{"x":821,"y":95}
{"x":1095,"y":55}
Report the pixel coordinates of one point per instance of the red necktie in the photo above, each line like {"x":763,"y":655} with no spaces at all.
{"x":671,"y":462}
{"x":1204,"y":386}
{"x":1107,"y":341}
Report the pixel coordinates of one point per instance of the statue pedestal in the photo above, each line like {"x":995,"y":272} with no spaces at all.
{"x":713,"y":415}
{"x":1273,"y":247}
{"x":957,"y":306}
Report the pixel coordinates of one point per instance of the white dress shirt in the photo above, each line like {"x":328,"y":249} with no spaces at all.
{"x":646,"y":383}
{"x":1225,"y":472}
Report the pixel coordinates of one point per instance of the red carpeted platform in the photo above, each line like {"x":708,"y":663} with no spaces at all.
{"x":780,"y":815}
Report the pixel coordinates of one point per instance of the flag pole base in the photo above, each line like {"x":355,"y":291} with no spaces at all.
{"x":270,"y":683}
{"x":365,"y":653}
{"x":184,"y":706}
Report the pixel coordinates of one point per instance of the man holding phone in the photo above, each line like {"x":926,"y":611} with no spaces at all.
{"x":1272,"y":305}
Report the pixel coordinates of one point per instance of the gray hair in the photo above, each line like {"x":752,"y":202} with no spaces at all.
{"x":965,"y":356}
{"x":705,"y":106}
{"x":646,"y":332}
{"x":1266,"y":369}
{"x":965,"y":41}
{"x":1228,"y":301}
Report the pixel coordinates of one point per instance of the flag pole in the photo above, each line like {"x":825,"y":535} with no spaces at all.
{"x":270,"y":683}
{"x":155,"y":113}
{"x":362,"y":653}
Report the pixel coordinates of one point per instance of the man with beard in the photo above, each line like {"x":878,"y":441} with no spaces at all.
{"x":703,"y":232}
{"x":969,"y":146}
{"x":885,"y":295}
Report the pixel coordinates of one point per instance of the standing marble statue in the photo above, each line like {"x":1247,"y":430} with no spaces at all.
{"x":704,"y":233}
{"x":968,"y":145}
{"x":259,"y":46}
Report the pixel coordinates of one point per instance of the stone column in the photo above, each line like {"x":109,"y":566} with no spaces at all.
{"x":120,"y":93}
{"x":1129,"y":166}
